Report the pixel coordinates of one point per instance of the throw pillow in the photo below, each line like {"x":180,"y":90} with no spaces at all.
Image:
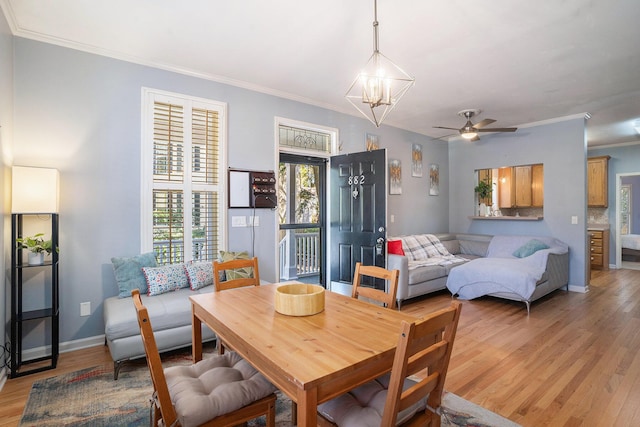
{"x":395,"y":247}
{"x":237,"y":273}
{"x":165,"y":279}
{"x":419,"y":247}
{"x":529,"y":248}
{"x":199,"y":274}
{"x":129,"y":275}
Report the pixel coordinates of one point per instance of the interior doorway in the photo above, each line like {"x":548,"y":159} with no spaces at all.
{"x":628,"y":221}
{"x":301,"y":218}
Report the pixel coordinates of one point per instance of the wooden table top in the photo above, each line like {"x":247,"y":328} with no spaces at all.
{"x":308,"y":351}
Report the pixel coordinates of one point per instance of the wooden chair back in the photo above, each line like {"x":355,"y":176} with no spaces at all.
{"x":232,"y":265}
{"x":160,"y":389}
{"x":386,"y":298}
{"x":424,"y":344}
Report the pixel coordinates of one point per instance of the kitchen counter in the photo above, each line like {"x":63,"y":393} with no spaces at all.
{"x":600,"y":227}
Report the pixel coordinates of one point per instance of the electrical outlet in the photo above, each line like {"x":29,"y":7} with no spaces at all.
{"x":574,"y":220}
{"x":85,"y":308}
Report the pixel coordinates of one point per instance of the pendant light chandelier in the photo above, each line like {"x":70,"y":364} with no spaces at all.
{"x":380,"y":85}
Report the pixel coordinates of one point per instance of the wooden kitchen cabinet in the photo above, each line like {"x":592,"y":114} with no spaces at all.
{"x":599,"y":249}
{"x":523,"y":186}
{"x":598,"y":181}
{"x":506,"y":188}
{"x":537,"y":186}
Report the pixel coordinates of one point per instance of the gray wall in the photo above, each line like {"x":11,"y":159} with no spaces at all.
{"x":81,"y":113}
{"x":6,"y":126}
{"x":624,"y":160}
{"x":561,"y":148}
{"x":634,"y":181}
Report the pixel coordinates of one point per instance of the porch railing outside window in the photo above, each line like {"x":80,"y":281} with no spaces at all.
{"x":307,"y":255}
{"x":166,"y":256}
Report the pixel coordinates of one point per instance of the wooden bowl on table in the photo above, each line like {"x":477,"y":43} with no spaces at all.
{"x":299,"y":299}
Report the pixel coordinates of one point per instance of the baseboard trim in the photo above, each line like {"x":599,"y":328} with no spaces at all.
{"x":579,"y":289}
{"x":65,"y":347}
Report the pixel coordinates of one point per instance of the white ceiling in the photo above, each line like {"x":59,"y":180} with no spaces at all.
{"x":520,"y":61}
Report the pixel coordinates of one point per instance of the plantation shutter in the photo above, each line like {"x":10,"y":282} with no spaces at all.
{"x":186,"y":180}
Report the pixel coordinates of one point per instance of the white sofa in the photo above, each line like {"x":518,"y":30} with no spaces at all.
{"x":170,"y":315}
{"x":520,"y":268}
{"x":432,"y":278}
{"x":422,"y":280}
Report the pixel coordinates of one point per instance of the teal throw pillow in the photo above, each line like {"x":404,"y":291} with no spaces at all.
{"x":529,"y":248}
{"x":129,"y":275}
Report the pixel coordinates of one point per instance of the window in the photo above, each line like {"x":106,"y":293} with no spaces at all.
{"x":182,"y":187}
{"x":625,"y":209}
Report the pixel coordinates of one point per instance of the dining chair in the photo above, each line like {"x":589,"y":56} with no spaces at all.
{"x":237,"y":273}
{"x":388,"y":299}
{"x":221,"y":390}
{"x":411,"y":395}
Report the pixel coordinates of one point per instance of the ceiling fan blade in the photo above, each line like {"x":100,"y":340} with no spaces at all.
{"x":497,"y":130}
{"x":483,"y":123}
{"x":446,"y":137}
{"x":442,"y":127}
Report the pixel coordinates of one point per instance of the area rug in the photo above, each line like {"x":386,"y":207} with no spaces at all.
{"x":90,"y":397}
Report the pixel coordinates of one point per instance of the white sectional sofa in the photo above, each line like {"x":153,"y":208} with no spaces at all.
{"x":170,"y":314}
{"x":422,"y":280}
{"x":426,"y":279}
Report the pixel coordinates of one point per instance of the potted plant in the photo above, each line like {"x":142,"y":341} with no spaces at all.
{"x":483,"y":190}
{"x":37,"y":247}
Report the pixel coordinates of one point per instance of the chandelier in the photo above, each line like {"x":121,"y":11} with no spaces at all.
{"x":380,"y":85}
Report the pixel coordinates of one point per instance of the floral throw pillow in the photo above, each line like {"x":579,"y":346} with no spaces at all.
{"x":165,"y":279}
{"x":237,"y":273}
{"x":200,"y":274}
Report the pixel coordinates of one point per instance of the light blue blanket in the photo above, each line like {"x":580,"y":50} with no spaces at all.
{"x":501,"y":271}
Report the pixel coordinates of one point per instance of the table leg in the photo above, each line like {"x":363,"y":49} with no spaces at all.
{"x":196,"y":336}
{"x":307,"y":408}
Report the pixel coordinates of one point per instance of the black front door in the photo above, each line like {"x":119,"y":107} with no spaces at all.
{"x":358,"y":214}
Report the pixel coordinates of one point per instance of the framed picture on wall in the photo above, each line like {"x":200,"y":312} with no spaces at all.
{"x":416,"y":160}
{"x":371,"y":142}
{"x":434,"y":180}
{"x":395,"y":177}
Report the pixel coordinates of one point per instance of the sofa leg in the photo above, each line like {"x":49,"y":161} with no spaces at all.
{"x":116,"y":368}
{"x":528,"y":307}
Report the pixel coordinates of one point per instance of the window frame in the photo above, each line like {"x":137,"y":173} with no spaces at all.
{"x":149,"y":96}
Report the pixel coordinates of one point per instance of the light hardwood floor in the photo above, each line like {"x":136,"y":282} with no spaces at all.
{"x":574,"y":361}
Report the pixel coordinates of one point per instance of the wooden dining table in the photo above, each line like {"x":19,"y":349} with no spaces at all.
{"x":309,"y":358}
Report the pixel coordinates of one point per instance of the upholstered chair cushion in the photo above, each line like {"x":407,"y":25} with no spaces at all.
{"x":363,"y":406}
{"x":214,"y":386}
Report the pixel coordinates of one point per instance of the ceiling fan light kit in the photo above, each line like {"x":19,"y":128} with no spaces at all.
{"x":380,"y":85}
{"x":470,"y":131}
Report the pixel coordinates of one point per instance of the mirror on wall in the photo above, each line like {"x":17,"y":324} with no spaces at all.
{"x":510,"y":191}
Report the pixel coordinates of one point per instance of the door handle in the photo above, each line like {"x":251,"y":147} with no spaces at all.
{"x":379,"y":245}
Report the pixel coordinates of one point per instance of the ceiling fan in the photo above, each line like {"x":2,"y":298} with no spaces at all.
{"x":470,"y":131}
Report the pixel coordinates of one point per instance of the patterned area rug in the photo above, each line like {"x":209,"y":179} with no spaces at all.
{"x":90,"y":397}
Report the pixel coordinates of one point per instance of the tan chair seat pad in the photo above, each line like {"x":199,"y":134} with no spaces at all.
{"x":214,"y":386}
{"x":363,"y":406}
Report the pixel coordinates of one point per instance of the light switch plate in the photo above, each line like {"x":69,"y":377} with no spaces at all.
{"x":574,"y":219}
{"x":85,"y":308}
{"x":238,"y":221}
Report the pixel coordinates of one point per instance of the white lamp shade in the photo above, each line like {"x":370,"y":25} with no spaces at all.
{"x":34,"y":190}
